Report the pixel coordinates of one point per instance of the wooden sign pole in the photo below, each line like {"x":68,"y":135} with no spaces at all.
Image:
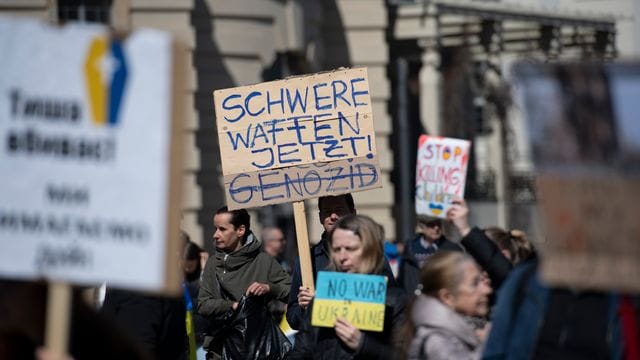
{"x":58,"y":316}
{"x":121,"y":15}
{"x":304,"y":251}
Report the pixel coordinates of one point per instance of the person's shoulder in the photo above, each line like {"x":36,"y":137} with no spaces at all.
{"x":446,"y":244}
{"x":320,"y":249}
{"x":409,"y":245}
{"x":523,"y":275}
{"x":413,"y":240}
{"x":263,"y":257}
{"x":441,"y":344}
{"x":525,"y":268}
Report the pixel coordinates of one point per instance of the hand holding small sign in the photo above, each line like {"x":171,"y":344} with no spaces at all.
{"x":349,"y":334}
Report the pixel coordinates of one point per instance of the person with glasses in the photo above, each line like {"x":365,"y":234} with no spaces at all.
{"x":452,"y":290}
{"x":428,"y":240}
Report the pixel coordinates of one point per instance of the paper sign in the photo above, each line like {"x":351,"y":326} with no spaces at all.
{"x":85,"y":147}
{"x":582,"y":124}
{"x":441,"y":172}
{"x":358,"y":298}
{"x":271,"y":134}
{"x":581,"y":247}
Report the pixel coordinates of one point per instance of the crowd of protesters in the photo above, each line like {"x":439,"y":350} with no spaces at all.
{"x":479,"y":297}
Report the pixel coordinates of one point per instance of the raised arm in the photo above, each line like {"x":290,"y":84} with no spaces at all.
{"x":486,"y":253}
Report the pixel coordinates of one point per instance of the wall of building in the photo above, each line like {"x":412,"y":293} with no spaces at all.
{"x":232,"y":43}
{"x":353,"y":33}
{"x":625,"y":13}
{"x":238,"y":40}
{"x":503,"y":153}
{"x":26,"y":8}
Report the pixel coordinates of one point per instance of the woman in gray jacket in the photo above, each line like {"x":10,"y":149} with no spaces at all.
{"x":452,"y":288}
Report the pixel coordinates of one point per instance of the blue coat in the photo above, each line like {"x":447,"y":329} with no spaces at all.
{"x":519,"y":316}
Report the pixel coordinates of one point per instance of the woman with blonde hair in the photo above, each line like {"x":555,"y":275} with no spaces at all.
{"x":513,"y":243}
{"x":452,"y":288}
{"x":356,"y":246}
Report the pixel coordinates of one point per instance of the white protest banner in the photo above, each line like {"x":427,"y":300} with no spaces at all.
{"x":299,"y":138}
{"x":441,"y":171}
{"x":359,"y":298}
{"x":89,"y":164}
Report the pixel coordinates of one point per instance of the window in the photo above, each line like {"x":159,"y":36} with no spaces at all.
{"x":98,"y":11}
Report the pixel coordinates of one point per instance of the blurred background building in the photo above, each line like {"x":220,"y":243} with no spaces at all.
{"x":438,"y":67}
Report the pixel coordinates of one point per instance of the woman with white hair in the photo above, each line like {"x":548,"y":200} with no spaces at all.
{"x":452,"y":287}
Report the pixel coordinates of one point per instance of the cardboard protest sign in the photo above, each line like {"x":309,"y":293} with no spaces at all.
{"x":89,"y":163}
{"x":579,"y":214}
{"x":358,"y":298}
{"x":441,"y":173}
{"x":585,"y":140}
{"x":299,"y":138}
{"x":303,"y":181}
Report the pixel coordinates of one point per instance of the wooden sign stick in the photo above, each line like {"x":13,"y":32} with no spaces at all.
{"x":58,"y":316}
{"x":304,"y":251}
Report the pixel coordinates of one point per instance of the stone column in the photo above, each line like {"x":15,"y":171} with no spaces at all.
{"x":430,"y":83}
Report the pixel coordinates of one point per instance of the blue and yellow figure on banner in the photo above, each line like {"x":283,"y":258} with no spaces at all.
{"x":106,"y":73}
{"x":191,"y":330}
{"x":358,"y":298}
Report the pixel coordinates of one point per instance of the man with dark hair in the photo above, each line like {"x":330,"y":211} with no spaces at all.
{"x":348,"y":200}
{"x":428,"y":241}
{"x":330,"y":210}
{"x":239,"y":267}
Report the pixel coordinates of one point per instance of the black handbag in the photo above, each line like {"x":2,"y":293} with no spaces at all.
{"x":251,"y":333}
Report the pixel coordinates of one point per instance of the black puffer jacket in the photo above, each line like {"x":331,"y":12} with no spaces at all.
{"x":323,"y":343}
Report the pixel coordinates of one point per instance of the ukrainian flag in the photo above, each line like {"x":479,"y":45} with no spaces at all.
{"x":191,"y":332}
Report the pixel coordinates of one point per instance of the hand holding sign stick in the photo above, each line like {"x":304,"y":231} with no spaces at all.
{"x":305,"y":295}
